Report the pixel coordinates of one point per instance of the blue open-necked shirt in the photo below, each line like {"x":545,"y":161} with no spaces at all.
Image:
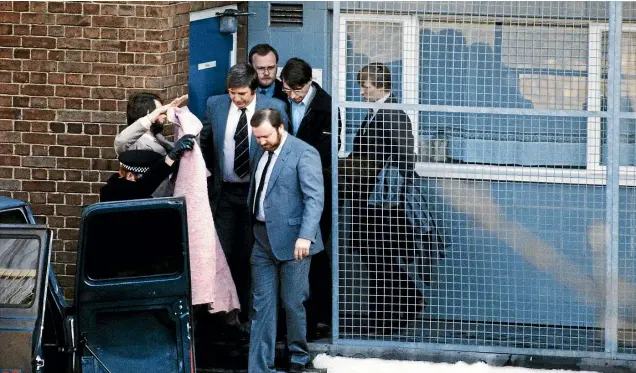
{"x":269,"y":91}
{"x":298,"y":110}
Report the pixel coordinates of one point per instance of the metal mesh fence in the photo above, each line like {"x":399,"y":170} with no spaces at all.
{"x":486,"y":179}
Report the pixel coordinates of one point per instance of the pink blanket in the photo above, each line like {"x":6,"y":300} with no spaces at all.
{"x":211,"y":279}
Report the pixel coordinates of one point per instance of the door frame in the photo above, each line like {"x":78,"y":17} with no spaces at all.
{"x":210,"y":13}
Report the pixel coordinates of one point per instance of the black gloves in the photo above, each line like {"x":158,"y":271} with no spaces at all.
{"x":186,"y":142}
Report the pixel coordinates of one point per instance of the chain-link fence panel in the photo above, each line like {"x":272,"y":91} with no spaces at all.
{"x":486,"y":177}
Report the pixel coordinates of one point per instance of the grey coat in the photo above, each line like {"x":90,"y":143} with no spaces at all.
{"x":294,"y":198}
{"x":138,"y":137}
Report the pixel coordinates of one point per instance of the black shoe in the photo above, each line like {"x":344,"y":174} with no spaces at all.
{"x":296,"y":368}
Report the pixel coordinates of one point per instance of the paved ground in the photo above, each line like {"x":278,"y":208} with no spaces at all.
{"x":215,"y":356}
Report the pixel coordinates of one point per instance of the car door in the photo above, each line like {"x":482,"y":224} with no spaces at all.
{"x":133,"y":288}
{"x":24,"y":258}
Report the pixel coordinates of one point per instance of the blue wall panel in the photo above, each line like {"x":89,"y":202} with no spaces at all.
{"x":311,"y":42}
{"x":484,"y":278}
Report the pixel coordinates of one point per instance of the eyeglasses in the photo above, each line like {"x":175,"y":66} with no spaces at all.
{"x":264,"y":69}
{"x":298,"y":91}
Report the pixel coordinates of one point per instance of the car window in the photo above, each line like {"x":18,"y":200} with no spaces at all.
{"x":18,"y":270}
{"x":13,"y":216}
{"x":133,"y":243}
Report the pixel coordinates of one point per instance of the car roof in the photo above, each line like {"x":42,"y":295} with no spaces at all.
{"x":7,"y":203}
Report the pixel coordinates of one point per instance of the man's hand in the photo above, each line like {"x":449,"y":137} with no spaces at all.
{"x":178,"y":101}
{"x":162,"y":110}
{"x":301,"y":251}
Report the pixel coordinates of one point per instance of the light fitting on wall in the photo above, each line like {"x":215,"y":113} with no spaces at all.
{"x":228,"y":23}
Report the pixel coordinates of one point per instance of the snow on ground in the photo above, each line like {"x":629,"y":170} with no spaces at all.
{"x":351,"y":365}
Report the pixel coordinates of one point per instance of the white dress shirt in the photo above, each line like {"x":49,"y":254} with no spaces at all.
{"x":260,"y":214}
{"x":228,"y":143}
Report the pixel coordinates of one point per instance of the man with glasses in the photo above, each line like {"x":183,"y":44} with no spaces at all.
{"x":264,"y":58}
{"x":310,"y":115}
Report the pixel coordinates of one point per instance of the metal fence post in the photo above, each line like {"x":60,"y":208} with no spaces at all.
{"x":613,"y":176}
{"x":335,"y":98}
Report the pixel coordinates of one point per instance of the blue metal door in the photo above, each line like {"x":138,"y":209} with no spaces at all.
{"x":210,"y":58}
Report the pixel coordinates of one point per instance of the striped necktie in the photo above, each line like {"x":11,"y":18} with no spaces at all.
{"x":241,"y":147}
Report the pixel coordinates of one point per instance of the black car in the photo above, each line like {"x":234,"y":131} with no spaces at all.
{"x":131,"y":311}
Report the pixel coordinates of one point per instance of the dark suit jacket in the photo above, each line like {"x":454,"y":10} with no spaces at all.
{"x":213,"y":135}
{"x":294,"y":198}
{"x":315,"y":128}
{"x":387,"y":138}
{"x":279,"y":94}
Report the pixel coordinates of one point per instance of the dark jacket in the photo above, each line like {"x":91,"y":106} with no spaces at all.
{"x":315,"y":128}
{"x":387,"y":139}
{"x":212,"y":138}
{"x":117,"y":188}
{"x":279,"y":94}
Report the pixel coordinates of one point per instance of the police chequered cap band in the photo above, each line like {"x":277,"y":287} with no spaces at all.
{"x":137,"y":170}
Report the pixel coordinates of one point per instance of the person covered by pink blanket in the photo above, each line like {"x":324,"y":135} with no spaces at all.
{"x":212,"y":282}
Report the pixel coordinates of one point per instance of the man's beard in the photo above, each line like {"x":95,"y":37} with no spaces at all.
{"x":274,"y":146}
{"x":260,"y":85}
{"x":156,"y":128}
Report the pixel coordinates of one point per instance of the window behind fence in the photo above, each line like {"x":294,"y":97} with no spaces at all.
{"x":487,"y":173}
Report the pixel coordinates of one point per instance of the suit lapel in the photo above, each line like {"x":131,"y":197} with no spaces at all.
{"x":280,"y":163}
{"x":258,"y":153}
{"x":253,"y":142}
{"x":317,"y":102}
{"x":219,"y":130}
{"x":371,"y":115}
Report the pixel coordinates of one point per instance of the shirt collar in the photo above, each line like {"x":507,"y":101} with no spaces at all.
{"x":249,"y":108}
{"x":280,"y":146}
{"x":380,"y":101}
{"x":383,"y":99}
{"x":269,"y":91}
{"x":308,"y":97}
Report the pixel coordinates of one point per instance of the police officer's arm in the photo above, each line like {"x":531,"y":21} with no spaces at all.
{"x":156,"y":174}
{"x":161,"y":169}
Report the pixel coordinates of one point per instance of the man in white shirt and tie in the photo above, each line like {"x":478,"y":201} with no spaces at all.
{"x":227,"y":143}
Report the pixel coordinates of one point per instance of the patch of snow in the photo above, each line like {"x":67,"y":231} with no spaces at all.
{"x":339,"y":364}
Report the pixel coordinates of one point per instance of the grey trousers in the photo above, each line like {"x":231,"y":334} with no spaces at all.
{"x":271,"y":278}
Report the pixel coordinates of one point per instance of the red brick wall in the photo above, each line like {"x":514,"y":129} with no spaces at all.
{"x":66,"y":71}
